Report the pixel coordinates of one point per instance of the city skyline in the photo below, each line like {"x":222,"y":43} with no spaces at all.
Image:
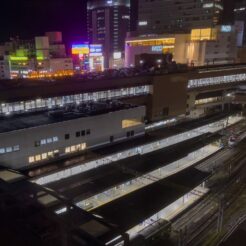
{"x":123,"y":123}
{"x":32,"y":18}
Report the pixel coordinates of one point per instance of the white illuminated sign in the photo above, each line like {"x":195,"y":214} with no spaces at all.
{"x":142,"y":23}
{"x":117,"y":55}
{"x":212,"y":5}
{"x":226,"y":28}
{"x":157,"y":48}
{"x":95,"y":50}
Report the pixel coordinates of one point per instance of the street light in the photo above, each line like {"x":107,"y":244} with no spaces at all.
{"x":159,"y":62}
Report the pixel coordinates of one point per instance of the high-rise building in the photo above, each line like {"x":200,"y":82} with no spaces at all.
{"x":183,"y":15}
{"x":206,"y":46}
{"x":240,"y":19}
{"x":108,"y":23}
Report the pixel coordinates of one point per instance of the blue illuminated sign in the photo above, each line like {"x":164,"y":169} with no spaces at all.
{"x":95,"y":50}
{"x":157,"y":48}
{"x":226,"y":28}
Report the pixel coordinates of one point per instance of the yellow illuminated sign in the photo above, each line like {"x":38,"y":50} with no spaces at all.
{"x":82,"y":49}
{"x":151,"y":42}
{"x":203,"y":34}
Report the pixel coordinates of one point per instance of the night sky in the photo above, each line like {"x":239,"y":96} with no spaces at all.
{"x":26,"y":18}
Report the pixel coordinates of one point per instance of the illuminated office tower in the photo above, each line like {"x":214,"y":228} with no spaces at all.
{"x":108,"y":23}
{"x":167,"y":15}
{"x":240,"y":19}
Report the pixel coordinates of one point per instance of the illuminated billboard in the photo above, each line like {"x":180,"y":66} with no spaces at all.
{"x":226,"y":28}
{"x":96,"y":50}
{"x":80,"y":49}
{"x":203,"y":34}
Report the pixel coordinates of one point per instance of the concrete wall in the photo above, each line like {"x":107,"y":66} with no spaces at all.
{"x":101,"y":128}
{"x":169,"y":96}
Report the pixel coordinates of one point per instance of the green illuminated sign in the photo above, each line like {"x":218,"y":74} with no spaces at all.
{"x":18,"y":58}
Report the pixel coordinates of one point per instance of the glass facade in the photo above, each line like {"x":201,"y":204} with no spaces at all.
{"x":151,"y":42}
{"x":217,"y":80}
{"x":208,"y":100}
{"x":48,"y":103}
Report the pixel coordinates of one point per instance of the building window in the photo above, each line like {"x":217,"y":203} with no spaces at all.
{"x":88,"y":132}
{"x":16,"y":148}
{"x":75,"y":148}
{"x":77,"y":134}
{"x":130,"y":123}
{"x":2,"y":150}
{"x":83,"y":133}
{"x":38,"y":158}
{"x":130,"y":134}
{"x":46,"y":141}
{"x":50,"y":154}
{"x":44,"y":156}
{"x":67,"y":136}
{"x":68,"y":150}
{"x":49,"y":140}
{"x":43,"y":141}
{"x":37,"y":143}
{"x":55,"y":139}
{"x":9,"y":149}
{"x":111,"y":139}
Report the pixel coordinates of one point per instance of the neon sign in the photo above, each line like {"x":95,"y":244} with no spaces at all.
{"x":80,"y":49}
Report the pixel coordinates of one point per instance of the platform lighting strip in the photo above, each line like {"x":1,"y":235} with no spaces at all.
{"x":139,"y":150}
{"x":194,"y":83}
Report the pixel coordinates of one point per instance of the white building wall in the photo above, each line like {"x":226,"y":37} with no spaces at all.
{"x":180,"y":48}
{"x":101,"y":127}
{"x":61,"y":64}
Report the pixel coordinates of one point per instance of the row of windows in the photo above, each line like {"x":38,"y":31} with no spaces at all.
{"x":75,"y":148}
{"x":55,"y":153}
{"x":70,"y":149}
{"x":9,"y":149}
{"x":46,"y":141}
{"x":208,"y":100}
{"x":78,"y":134}
{"x":83,"y":133}
{"x":78,"y":98}
{"x":217,"y":80}
{"x":130,"y":134}
{"x":43,"y":156}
